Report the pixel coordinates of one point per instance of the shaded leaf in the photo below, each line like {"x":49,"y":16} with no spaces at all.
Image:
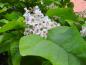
{"x":15,"y":55}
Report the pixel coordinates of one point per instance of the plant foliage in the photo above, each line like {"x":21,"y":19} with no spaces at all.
{"x":64,"y":45}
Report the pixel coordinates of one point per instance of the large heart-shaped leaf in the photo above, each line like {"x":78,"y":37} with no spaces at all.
{"x":70,"y":40}
{"x":36,"y":46}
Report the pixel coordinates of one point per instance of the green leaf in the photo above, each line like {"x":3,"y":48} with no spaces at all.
{"x":72,"y":60}
{"x":1,"y":38}
{"x":36,"y":46}
{"x":3,"y":21}
{"x":66,"y":1}
{"x":64,"y":13}
{"x":2,"y":5}
{"x":3,"y":10}
{"x":15,"y":55}
{"x":48,"y":1}
{"x":84,"y":25}
{"x":69,"y":39}
{"x":13,"y":15}
{"x":6,"y":39}
{"x":12,"y":25}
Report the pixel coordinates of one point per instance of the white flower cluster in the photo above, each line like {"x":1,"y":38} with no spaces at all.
{"x":83,"y":31}
{"x":37,"y":23}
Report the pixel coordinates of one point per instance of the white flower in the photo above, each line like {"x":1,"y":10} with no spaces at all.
{"x":37,"y":11}
{"x":40,"y":24}
{"x":27,"y":15}
{"x":44,"y":33}
{"x":46,"y":18}
{"x":58,"y":24}
{"x":83,"y":31}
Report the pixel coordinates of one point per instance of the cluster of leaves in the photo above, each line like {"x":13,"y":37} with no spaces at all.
{"x":63,"y":46}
